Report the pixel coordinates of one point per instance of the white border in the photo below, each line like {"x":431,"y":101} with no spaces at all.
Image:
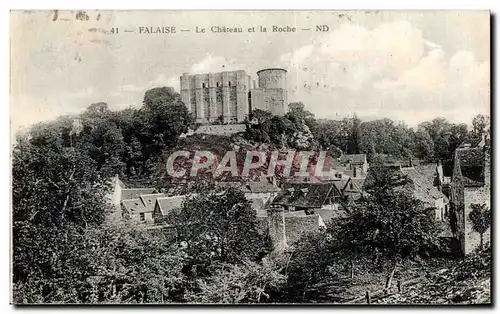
{"x":191,"y":5}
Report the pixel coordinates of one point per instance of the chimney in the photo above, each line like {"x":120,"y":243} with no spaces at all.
{"x":411,"y":162}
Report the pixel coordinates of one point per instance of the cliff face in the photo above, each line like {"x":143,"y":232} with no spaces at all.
{"x":218,"y":148}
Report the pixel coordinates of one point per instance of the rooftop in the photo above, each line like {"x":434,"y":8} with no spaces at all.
{"x":308,"y":195}
{"x":471,"y":161}
{"x":356,"y":159}
{"x":423,"y":189}
{"x":167,"y":204}
{"x":128,"y":194}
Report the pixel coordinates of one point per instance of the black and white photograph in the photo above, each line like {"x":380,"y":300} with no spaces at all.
{"x":275,"y":157}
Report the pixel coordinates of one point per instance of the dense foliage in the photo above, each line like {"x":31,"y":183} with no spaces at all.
{"x":215,"y":249}
{"x":429,"y":141}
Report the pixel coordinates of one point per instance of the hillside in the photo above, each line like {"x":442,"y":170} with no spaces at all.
{"x":467,"y":282}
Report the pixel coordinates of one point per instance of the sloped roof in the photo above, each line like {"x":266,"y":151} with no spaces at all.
{"x":357,"y":159}
{"x":470,"y":157}
{"x":359,"y":182}
{"x":262,"y":187}
{"x":135,"y":206}
{"x":149,"y":200}
{"x":167,"y":204}
{"x":423,"y":189}
{"x":353,"y":190}
{"x":428,"y":170}
{"x":128,"y":194}
{"x":340,"y":184}
{"x":310,"y":195}
{"x":471,"y":161}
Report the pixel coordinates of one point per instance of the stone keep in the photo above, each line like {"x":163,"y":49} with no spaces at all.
{"x":272,"y":92}
{"x":229,"y":96}
{"x":215,"y":97}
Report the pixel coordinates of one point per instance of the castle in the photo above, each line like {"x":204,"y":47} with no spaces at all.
{"x":228,"y":97}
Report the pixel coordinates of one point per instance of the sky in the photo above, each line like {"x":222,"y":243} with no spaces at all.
{"x":409,"y":66}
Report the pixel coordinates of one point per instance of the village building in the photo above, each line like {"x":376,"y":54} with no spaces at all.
{"x":470,"y":184}
{"x":353,"y":190}
{"x":120,"y":193}
{"x":259,"y":193}
{"x":428,"y":194}
{"x":140,"y":209}
{"x":304,"y":199}
{"x":354,"y":165}
{"x":309,"y":196}
{"x":165,"y":205}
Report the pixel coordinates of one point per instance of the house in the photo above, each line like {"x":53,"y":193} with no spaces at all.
{"x":120,"y":193}
{"x":353,"y":189}
{"x":141,"y":208}
{"x":436,"y":174}
{"x":428,"y":194}
{"x":132,"y":193}
{"x":165,"y":205}
{"x":356,"y":165}
{"x":259,"y":193}
{"x":470,"y":184}
{"x":309,"y":196}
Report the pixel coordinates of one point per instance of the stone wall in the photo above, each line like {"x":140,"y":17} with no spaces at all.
{"x":272,"y":92}
{"x":276,"y":227}
{"x":295,"y":227}
{"x":461,"y":199}
{"x":474,"y":195}
{"x":222,"y":130}
{"x":272,"y":78}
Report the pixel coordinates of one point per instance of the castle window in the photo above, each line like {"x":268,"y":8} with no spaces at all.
{"x":229,"y":83}
{"x":217,"y":84}
{"x":203,"y":85}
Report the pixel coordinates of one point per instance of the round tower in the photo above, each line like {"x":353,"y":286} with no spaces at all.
{"x":272,"y":78}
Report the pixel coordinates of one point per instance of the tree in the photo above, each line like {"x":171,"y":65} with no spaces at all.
{"x":163,"y":118}
{"x":424,"y":146}
{"x":389,"y":221}
{"x":218,"y":226}
{"x":249,"y":282}
{"x":261,"y":116}
{"x":105,"y":264}
{"x":311,"y":268}
{"x":480,"y":217}
{"x":480,"y":125}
